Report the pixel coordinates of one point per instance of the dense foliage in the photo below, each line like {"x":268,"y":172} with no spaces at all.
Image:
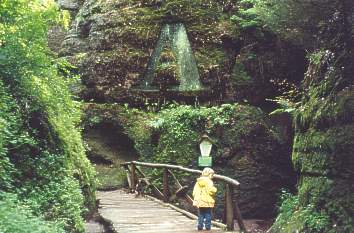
{"x":180,"y":128}
{"x":18,"y":217}
{"x":302,"y":219}
{"x":42,"y":158}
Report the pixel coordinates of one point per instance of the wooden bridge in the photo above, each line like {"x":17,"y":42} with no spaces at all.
{"x":130,"y":210}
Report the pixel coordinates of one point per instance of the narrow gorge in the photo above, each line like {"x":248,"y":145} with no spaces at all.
{"x":87,"y":85}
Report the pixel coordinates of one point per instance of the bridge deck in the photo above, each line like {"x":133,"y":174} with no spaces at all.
{"x":129,"y":214}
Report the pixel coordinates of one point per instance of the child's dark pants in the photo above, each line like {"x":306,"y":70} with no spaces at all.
{"x":204,"y":218}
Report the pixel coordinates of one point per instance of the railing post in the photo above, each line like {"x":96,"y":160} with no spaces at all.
{"x":239,"y":219}
{"x":133,"y":178}
{"x":229,"y":208}
{"x":165,"y":185}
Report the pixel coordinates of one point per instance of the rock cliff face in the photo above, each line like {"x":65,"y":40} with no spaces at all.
{"x":112,"y":42}
{"x":324,"y":142}
{"x":323,"y":150}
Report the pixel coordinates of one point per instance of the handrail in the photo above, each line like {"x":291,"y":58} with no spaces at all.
{"x":231,"y":208}
{"x":176,"y":167}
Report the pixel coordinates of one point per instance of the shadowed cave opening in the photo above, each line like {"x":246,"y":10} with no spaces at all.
{"x":108,"y":144}
{"x":108,"y":147}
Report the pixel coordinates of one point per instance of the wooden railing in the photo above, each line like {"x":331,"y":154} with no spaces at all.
{"x":135,"y":174}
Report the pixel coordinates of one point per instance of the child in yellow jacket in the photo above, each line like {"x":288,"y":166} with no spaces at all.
{"x":203,"y":194}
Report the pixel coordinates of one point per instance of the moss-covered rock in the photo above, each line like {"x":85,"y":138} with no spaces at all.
{"x":115,"y":134}
{"x":246,"y":147}
{"x":127,"y":122}
{"x":324,"y":138}
{"x":111,"y":42}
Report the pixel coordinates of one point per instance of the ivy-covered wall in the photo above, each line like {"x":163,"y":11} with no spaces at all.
{"x":46,"y":182}
{"x":42,"y":158}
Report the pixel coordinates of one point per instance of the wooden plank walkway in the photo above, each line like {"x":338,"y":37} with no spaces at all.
{"x":129,"y":214}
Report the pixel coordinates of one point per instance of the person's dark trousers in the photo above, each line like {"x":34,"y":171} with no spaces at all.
{"x":204,"y":218}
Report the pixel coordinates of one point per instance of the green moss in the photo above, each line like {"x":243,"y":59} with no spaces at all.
{"x":209,"y":57}
{"x":324,"y":146}
{"x":136,"y":26}
{"x":324,"y":158}
{"x":240,"y":78}
{"x":296,"y":217}
{"x":324,"y":152}
{"x":331,"y":196}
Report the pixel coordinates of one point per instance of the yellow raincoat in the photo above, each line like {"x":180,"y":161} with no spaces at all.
{"x":204,"y":192}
